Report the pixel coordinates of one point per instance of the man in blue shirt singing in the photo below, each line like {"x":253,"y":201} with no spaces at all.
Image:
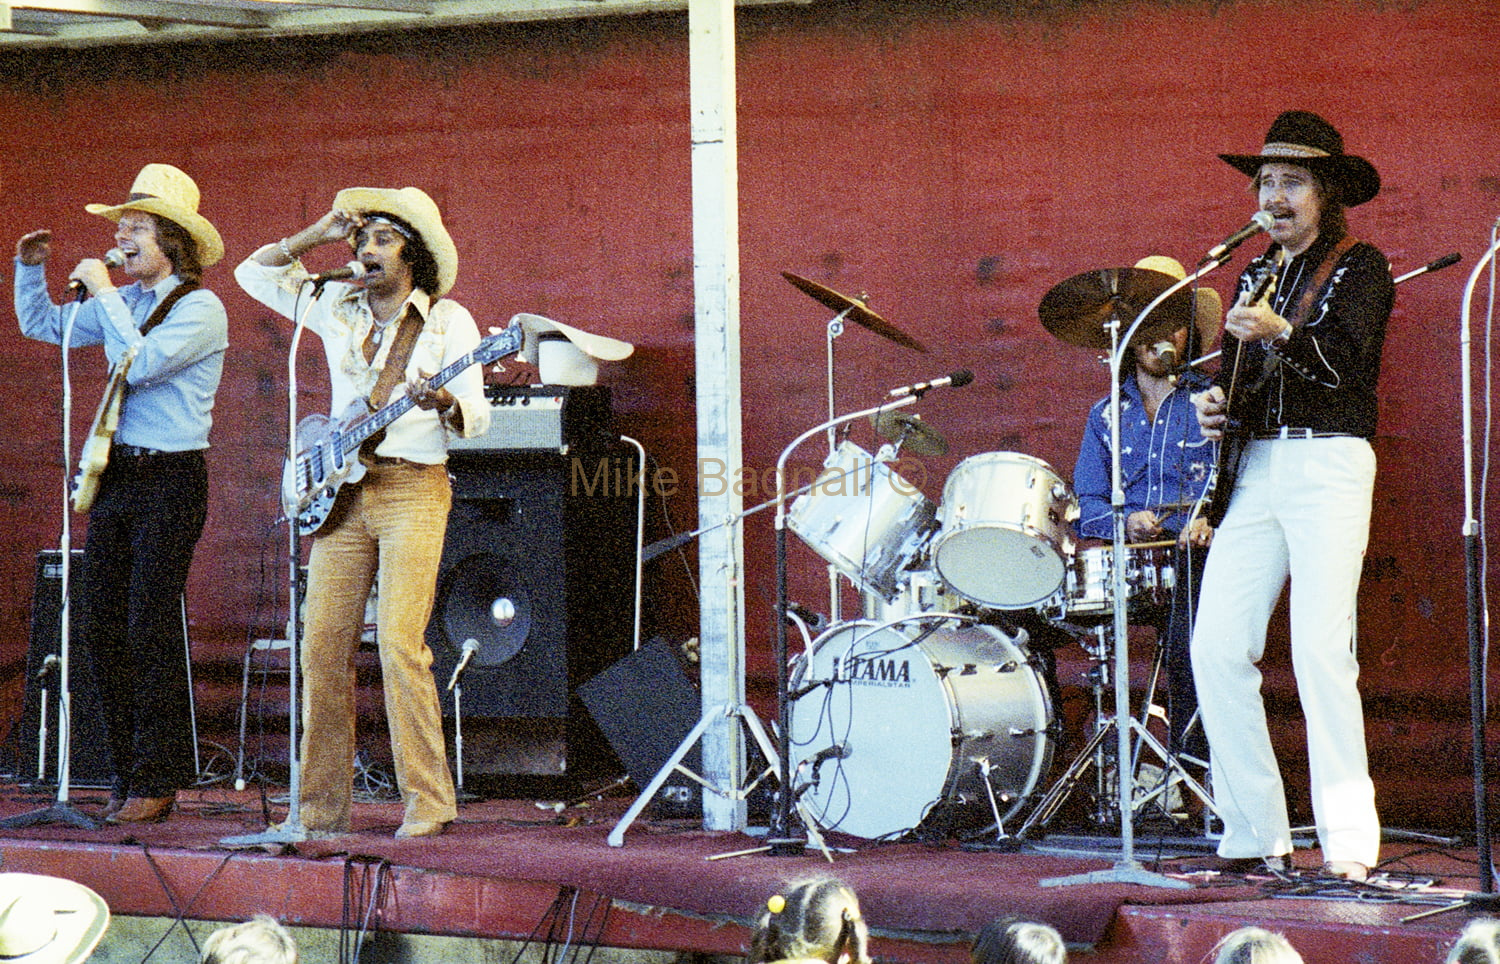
{"x":148,"y":499}
{"x":1165,"y":464}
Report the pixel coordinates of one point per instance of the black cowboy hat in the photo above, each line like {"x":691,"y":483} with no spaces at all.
{"x":1303,"y":138}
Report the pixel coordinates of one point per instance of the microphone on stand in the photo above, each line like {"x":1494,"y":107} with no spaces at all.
{"x":1259,"y":221}
{"x":471,"y":646}
{"x":352,"y":271}
{"x":958,"y":379}
{"x":1438,"y":265}
{"x":1167,"y":352}
{"x":113,"y":258}
{"x":48,"y":665}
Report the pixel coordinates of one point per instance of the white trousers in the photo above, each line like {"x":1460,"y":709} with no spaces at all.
{"x":1301,"y":510}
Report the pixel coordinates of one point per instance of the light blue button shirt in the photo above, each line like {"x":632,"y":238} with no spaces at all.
{"x":177,"y":367}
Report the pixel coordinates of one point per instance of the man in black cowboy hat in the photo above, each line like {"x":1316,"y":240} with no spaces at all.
{"x":1303,"y":364}
{"x":168,"y":336}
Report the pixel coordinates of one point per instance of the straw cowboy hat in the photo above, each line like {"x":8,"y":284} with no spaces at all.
{"x":167,"y":192}
{"x":1207,"y":308}
{"x":412,"y":205}
{"x":48,"y":920}
{"x":566,"y":355}
{"x":1303,"y":138}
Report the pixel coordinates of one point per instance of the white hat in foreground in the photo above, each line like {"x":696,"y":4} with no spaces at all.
{"x":49,"y":920}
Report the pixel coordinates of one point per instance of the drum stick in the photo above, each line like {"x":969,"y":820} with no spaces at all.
{"x":1152,"y":545}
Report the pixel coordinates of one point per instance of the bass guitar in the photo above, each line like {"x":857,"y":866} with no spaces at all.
{"x":328,"y":449}
{"x":1236,"y":432}
{"x":95,"y":453}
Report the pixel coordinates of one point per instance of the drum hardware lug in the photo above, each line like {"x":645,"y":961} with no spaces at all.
{"x":969,"y":670}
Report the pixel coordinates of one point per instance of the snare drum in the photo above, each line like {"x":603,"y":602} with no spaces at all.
{"x":923,"y":721}
{"x":862,"y":517}
{"x":1004,"y":536}
{"x":1150,"y":577}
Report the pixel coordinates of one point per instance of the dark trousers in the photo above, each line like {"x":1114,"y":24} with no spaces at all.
{"x":1174,"y":625}
{"x":142,"y":531}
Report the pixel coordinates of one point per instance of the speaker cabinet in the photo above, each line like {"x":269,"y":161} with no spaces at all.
{"x":30,"y":757}
{"x":646,"y":705}
{"x":537,"y":576}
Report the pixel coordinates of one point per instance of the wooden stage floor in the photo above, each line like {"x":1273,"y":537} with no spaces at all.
{"x":516,"y":869}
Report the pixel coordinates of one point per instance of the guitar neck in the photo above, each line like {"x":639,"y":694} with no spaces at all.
{"x":367,"y":427}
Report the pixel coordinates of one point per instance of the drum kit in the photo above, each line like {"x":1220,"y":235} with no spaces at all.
{"x":933,"y":714}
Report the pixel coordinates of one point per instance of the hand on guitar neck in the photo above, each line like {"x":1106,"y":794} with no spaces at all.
{"x":1251,"y":319}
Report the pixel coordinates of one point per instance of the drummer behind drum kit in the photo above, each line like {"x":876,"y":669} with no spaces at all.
{"x":931,"y":714}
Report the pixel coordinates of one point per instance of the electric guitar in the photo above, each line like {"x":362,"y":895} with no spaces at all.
{"x":1236,"y":433}
{"x":95,"y":453}
{"x":328,"y":449}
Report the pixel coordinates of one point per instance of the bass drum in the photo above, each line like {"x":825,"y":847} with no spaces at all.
{"x":919,"y":723}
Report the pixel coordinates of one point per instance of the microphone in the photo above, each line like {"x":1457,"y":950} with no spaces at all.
{"x":1167,"y":352}
{"x":815,"y":622}
{"x":1438,"y":265}
{"x":47,"y":665}
{"x":1260,"y":221}
{"x":354,"y":270}
{"x":839,"y":751}
{"x":502,"y":611}
{"x":471,"y":646}
{"x":958,"y":379}
{"x":113,"y":258}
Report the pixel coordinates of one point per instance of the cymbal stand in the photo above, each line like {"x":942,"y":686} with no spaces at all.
{"x":61,"y":811}
{"x":1126,"y":869}
{"x":835,"y":329}
{"x":1094,"y":755}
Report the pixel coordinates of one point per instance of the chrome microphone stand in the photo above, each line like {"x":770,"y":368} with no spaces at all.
{"x":290,"y":830}
{"x":61,"y":811}
{"x":782,"y":837}
{"x":1126,"y":869}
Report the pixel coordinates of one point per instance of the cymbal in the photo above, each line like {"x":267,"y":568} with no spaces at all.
{"x":857,"y":311}
{"x":1079,"y":309}
{"x":915,"y":435}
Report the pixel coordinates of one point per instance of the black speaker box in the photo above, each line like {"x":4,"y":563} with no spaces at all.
{"x":538,"y":571}
{"x":89,"y":761}
{"x":646,"y":705}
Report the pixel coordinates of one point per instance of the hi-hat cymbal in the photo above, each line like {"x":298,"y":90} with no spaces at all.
{"x":1079,"y":310}
{"x":857,"y":311}
{"x":915,"y":435}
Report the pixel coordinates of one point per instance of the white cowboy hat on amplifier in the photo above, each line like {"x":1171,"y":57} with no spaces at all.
{"x":565,"y":355}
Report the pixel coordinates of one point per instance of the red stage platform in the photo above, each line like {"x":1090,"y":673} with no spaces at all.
{"x":513,"y":869}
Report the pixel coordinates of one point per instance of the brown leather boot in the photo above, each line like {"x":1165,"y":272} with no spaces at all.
{"x":143,"y":810}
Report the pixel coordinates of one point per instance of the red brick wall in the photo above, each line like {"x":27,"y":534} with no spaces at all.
{"x":953,"y":166}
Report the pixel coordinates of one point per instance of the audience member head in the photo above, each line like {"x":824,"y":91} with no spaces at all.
{"x":1255,"y":945}
{"x":815,"y":920}
{"x":1478,"y":944}
{"x":259,"y":940}
{"x":49,"y":920}
{"x":1014,"y":940}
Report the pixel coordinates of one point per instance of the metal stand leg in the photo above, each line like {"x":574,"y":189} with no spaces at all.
{"x":751,"y":722}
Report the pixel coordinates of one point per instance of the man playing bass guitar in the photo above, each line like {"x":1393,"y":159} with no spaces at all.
{"x":383,"y":335}
{"x":1301,"y":507}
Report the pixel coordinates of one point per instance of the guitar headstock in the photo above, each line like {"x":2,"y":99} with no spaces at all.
{"x":496,"y":346}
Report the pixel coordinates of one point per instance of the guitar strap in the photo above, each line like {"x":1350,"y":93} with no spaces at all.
{"x":1305,"y":301}
{"x":159,"y":313}
{"x":1333,"y":257}
{"x":393,"y":371}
